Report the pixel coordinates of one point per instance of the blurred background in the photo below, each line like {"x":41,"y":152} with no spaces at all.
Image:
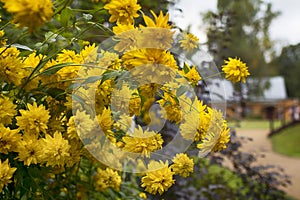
{"x":265,"y":110}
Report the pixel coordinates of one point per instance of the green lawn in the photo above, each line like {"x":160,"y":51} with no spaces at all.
{"x":253,"y":124}
{"x":287,"y":142}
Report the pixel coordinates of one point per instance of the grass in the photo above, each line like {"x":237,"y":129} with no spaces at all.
{"x":253,"y":124}
{"x":287,"y":142}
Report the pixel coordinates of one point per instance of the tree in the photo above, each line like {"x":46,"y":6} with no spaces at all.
{"x":241,"y":28}
{"x":288,"y":65}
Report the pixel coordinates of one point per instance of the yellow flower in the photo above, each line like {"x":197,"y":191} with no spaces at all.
{"x":156,"y":38}
{"x":135,"y":105}
{"x":143,"y":142}
{"x":68,"y":72}
{"x":192,"y":110}
{"x":235,"y":70}
{"x":223,"y":139}
{"x":56,"y":124}
{"x":159,"y":178}
{"x":103,"y":1}
{"x":30,"y":63}
{"x":107,"y":179}
{"x":6,"y":173}
{"x":121,"y":98}
{"x":109,"y":60}
{"x":105,"y":120}
{"x":124,"y":123}
{"x":217,"y":135}
{"x":80,"y":125}
{"x":127,"y":36}
{"x":103,"y":95}
{"x":142,"y":57}
{"x":8,"y":139}
{"x":148,"y":90}
{"x":189,"y":42}
{"x":204,"y":124}
{"x":34,"y":120}
{"x":55,"y":150}
{"x":157,"y":33}
{"x":7,"y":110}
{"x":2,"y":33}
{"x":89,"y":54}
{"x":121,"y":28}
{"x":172,"y":110}
{"x":30,"y":150}
{"x":32,"y":60}
{"x":11,"y":66}
{"x":142,"y":195}
{"x":75,"y":153}
{"x":160,"y":21}
{"x":27,"y":13}
{"x":192,"y":74}
{"x":2,"y":41}
{"x":126,"y":101}
{"x":183,"y":165}
{"x":122,"y":11}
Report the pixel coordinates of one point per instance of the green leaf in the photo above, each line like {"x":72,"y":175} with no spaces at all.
{"x":78,"y":99}
{"x":50,"y":37}
{"x":109,"y":75}
{"x":41,"y":48}
{"x":186,"y":68}
{"x":167,"y":103}
{"x":23,"y":47}
{"x":181,"y":90}
{"x":55,"y":68}
{"x":92,"y":79}
{"x":65,"y":16}
{"x":56,"y":93}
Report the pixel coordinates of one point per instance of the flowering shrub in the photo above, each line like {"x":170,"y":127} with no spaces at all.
{"x":76,"y":117}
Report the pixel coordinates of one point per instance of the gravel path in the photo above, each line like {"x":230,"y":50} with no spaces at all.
{"x":261,"y":144}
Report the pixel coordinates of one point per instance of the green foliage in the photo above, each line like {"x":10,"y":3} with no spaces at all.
{"x":253,"y":124}
{"x":288,"y":65}
{"x":240,"y":28}
{"x":244,"y":179}
{"x":287,"y":142}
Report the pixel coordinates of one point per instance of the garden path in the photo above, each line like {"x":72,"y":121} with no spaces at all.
{"x":262,"y":144}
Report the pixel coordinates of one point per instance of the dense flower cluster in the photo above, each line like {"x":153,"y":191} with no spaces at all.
{"x":6,"y":173}
{"x":107,"y":179}
{"x":47,"y":121}
{"x":159,"y":178}
{"x":29,"y":13}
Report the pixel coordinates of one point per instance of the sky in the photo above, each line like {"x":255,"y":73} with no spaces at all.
{"x":284,"y":30}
